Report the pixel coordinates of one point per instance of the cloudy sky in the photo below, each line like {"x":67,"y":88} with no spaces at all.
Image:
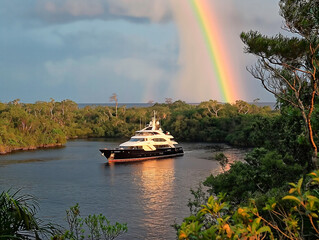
{"x":142,"y":50}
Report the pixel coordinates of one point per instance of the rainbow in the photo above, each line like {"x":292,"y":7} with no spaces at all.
{"x":212,"y":34}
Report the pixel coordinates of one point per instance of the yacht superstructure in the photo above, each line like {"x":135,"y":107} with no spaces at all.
{"x":149,"y":143}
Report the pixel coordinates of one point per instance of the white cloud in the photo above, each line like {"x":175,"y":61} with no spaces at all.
{"x":71,"y":10}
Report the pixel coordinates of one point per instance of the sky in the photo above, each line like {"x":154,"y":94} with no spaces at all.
{"x":142,"y":50}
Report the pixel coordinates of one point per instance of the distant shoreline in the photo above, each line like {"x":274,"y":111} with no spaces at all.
{"x":8,"y":150}
{"x":140,"y":105}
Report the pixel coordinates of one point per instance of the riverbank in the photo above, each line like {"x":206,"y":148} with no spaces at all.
{"x":6,"y":149}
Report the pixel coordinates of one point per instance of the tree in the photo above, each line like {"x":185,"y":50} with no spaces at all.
{"x":15,"y":101}
{"x":51,"y":106}
{"x":288,"y":66}
{"x":168,"y":100}
{"x":242,"y":107}
{"x":17,"y":217}
{"x":98,"y":226}
{"x":212,"y":106}
{"x":113,"y":98}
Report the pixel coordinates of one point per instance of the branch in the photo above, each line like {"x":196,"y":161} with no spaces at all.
{"x":313,"y":225}
{"x":271,"y":225}
{"x":276,"y":72}
{"x":259,"y":74}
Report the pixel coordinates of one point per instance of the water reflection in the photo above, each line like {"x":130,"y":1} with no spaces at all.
{"x":29,"y":160}
{"x":155,"y":181}
{"x":232,"y":154}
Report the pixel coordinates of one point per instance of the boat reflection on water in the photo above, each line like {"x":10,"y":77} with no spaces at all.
{"x":156,"y":185}
{"x":155,"y":193}
{"x":154,"y":182}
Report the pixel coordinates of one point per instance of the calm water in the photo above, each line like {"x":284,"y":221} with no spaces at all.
{"x":149,"y":196}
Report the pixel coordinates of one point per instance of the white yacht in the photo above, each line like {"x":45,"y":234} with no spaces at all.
{"x":149,"y":143}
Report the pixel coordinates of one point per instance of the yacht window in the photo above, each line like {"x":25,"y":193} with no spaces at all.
{"x":161,"y":146}
{"x":143,"y":134}
{"x":159,"y":140}
{"x":137,"y":139}
{"x":134,"y":139}
{"x":135,"y":147}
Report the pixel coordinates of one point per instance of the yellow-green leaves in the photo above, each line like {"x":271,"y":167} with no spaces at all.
{"x":315,"y":177}
{"x":213,"y":206}
{"x":293,"y":198}
{"x":216,"y":220}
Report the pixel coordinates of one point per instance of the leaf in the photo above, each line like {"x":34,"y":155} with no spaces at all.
{"x":293,"y":185}
{"x":263,"y":229}
{"x":242,"y":212}
{"x":182,"y":235}
{"x":312,"y":174}
{"x":299,"y":185}
{"x":313,"y":198}
{"x":293,"y":198}
{"x":315,"y":180}
{"x":292,"y":190}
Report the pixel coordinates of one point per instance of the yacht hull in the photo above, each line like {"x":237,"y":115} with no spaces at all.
{"x":134,"y":155}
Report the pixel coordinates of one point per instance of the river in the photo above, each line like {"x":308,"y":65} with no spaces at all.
{"x":149,"y":196}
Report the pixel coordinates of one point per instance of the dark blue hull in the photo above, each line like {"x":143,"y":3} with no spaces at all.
{"x":132,"y":155}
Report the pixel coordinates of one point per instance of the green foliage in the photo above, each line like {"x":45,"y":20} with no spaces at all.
{"x":262,"y":171}
{"x":303,"y":16}
{"x":98,"y":227}
{"x":18,"y":217}
{"x":18,"y":221}
{"x":218,"y":219}
{"x":287,"y":66}
{"x":199,"y":197}
{"x":24,"y":126}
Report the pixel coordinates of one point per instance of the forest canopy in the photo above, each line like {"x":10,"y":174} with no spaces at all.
{"x":42,"y":124}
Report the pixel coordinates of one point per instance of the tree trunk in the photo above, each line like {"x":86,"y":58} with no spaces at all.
{"x":307,"y":120}
{"x":312,"y":142}
{"x":116,"y":109}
